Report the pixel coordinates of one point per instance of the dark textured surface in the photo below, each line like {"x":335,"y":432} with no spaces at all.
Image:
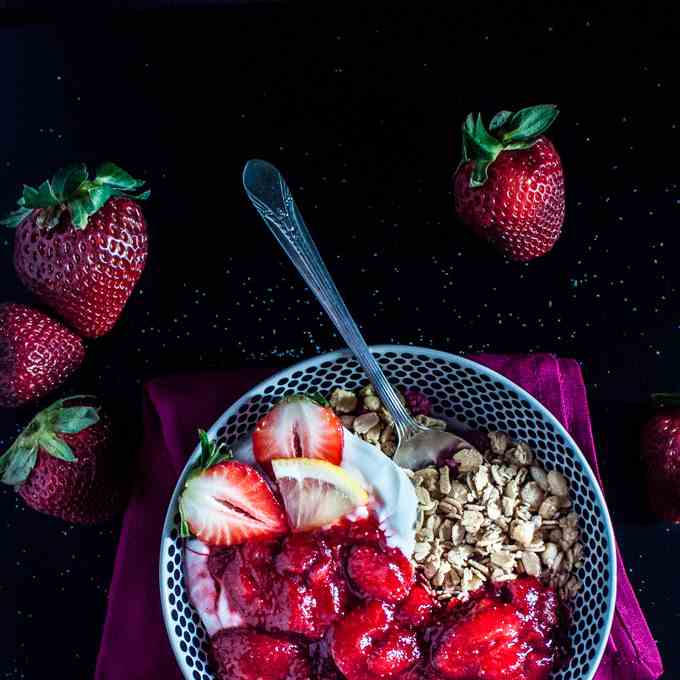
{"x":362,"y":112}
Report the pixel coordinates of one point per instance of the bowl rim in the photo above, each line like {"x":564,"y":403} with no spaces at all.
{"x":403,"y":349}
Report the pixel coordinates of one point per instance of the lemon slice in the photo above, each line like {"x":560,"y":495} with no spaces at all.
{"x":316,"y":493}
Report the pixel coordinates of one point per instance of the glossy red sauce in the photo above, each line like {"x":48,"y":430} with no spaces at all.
{"x":340,"y":603}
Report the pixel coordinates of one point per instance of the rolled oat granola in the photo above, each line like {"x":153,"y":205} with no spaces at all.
{"x":489,"y":514}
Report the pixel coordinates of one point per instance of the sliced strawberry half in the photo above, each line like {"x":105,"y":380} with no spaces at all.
{"x":298,"y":427}
{"x":226,"y":502}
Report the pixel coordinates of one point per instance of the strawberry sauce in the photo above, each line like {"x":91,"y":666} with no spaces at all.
{"x":339,"y":603}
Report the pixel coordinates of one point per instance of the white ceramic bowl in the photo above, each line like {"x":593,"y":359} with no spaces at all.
{"x":464,"y":393}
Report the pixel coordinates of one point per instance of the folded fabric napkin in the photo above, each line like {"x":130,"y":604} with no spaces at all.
{"x":134,"y":644}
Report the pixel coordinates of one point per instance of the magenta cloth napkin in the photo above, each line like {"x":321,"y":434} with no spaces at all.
{"x":134,"y":645}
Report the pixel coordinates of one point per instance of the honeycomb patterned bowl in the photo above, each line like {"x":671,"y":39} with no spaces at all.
{"x":467,"y":395}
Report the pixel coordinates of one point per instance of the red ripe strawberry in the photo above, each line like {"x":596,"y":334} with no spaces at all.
{"x":416,"y":609}
{"x":242,"y":654}
{"x":81,"y":244}
{"x":509,"y":187}
{"x":497,"y":639}
{"x":487,"y":643}
{"x":36,"y":354}
{"x":397,"y":652}
{"x":386,"y":576}
{"x":64,"y":463}
{"x":298,"y":427}
{"x":226,"y":502}
{"x":367,"y":645}
{"x":660,"y":446}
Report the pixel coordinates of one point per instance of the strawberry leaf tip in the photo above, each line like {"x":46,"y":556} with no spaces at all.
{"x":17,"y":463}
{"x":212,"y":452}
{"x":74,"y":418}
{"x":71,"y":189}
{"x":318,"y":398}
{"x":184,"y":530}
{"x":508,"y":131}
{"x":42,"y":433}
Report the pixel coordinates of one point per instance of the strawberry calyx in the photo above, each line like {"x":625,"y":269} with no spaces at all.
{"x":19,"y":460}
{"x":212,"y":452}
{"x":507,"y":131}
{"x":71,"y":190}
{"x":666,"y":399}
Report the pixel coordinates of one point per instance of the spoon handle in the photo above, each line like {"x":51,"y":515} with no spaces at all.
{"x":271,"y":196}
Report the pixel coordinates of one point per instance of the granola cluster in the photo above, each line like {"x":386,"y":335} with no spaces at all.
{"x":493,"y":515}
{"x":486,"y":515}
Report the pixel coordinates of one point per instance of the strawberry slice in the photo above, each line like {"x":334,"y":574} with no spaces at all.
{"x":226,"y":502}
{"x":298,"y":427}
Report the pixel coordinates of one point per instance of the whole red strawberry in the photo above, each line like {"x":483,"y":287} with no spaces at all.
{"x":36,"y":354}
{"x":660,"y":448}
{"x":81,"y":244}
{"x":64,"y":463}
{"x":509,"y":187}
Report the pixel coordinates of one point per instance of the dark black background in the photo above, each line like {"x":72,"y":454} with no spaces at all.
{"x":361,"y":110}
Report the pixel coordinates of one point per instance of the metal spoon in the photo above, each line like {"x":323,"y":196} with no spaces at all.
{"x":417,"y":445}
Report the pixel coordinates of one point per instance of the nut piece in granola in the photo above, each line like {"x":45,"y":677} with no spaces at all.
{"x":539,"y":476}
{"x":531,"y":564}
{"x":371,"y":403}
{"x":472,"y":520}
{"x":532,"y":495}
{"x":363,"y":423}
{"x":343,"y":401}
{"x":549,"y":507}
{"x":557,"y":483}
{"x":520,"y":454}
{"x":523,"y":533}
{"x":431,"y":423}
{"x":499,"y":442}
{"x":469,"y":460}
{"x":504,"y":559}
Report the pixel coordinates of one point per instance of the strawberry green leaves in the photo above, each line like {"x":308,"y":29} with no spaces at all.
{"x":184,"y":530}
{"x":113,"y":176}
{"x":72,"y":190}
{"x":74,"y":419}
{"x":56,"y":447}
{"x":318,"y":398}
{"x":42,"y":433}
{"x":507,"y":131}
{"x":499,"y":120}
{"x":67,"y":180}
{"x":528,"y":124}
{"x":16,"y":464}
{"x":212,"y":453}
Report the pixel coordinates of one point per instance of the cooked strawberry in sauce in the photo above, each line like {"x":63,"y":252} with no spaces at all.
{"x":242,"y":654}
{"x":339,"y":603}
{"x":506,"y":635}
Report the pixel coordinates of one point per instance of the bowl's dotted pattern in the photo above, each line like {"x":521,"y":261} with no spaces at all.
{"x":460,"y":394}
